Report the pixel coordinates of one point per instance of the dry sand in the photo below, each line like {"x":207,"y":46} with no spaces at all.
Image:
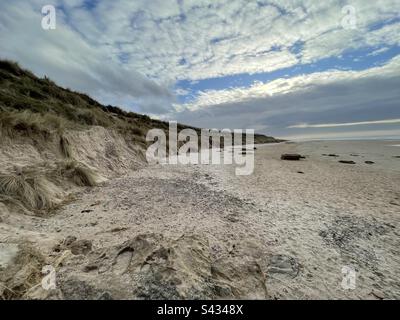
{"x":200,"y":231}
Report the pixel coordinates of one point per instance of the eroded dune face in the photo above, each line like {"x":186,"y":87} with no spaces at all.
{"x":38,"y":174}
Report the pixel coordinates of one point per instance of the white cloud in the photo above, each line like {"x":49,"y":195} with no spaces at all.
{"x":283,"y":86}
{"x":378,"y":51}
{"x":169,"y":40}
{"x":345,"y":124}
{"x":365,"y":134}
{"x":73,"y":62}
{"x":335,"y":97}
{"x":132,"y":52}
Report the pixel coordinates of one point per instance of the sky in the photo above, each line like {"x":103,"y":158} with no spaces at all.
{"x":290,"y":69}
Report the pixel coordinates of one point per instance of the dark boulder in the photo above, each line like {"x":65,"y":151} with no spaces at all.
{"x":347,"y":161}
{"x":291,"y":156}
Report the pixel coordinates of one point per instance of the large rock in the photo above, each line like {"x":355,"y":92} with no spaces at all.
{"x":347,"y":161}
{"x":291,"y":156}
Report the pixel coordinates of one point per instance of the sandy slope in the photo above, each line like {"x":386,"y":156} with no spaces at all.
{"x":202,"y":232}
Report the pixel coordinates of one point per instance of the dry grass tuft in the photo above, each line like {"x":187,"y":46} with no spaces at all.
{"x":30,"y":191}
{"x":23,"y":275}
{"x":79,"y":173}
{"x":65,"y":147}
{"x":30,"y":123}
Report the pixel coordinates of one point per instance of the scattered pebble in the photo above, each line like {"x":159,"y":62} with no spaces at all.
{"x":86,"y":211}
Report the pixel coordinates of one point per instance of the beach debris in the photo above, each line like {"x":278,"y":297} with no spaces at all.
{"x":301,"y":172}
{"x":397,"y":157}
{"x":369,"y":162}
{"x":291,"y":156}
{"x":347,"y":161}
{"x":96,"y":203}
{"x":86,"y":211}
{"x":348,"y":235}
{"x":330,"y":155}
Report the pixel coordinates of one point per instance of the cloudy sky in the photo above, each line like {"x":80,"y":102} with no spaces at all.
{"x":305,"y":69}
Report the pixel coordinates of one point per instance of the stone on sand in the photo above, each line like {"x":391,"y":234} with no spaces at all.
{"x":347,"y":161}
{"x":291,"y":156}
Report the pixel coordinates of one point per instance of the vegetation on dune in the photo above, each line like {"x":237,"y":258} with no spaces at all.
{"x":65,"y":147}
{"x":77,"y":172}
{"x":23,"y":96}
{"x":29,"y":123}
{"x":31,"y":191}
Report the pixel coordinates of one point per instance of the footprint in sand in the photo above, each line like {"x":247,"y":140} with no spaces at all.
{"x":123,"y":260}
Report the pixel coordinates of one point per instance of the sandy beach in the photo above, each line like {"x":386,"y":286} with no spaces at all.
{"x":200,"y":231}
